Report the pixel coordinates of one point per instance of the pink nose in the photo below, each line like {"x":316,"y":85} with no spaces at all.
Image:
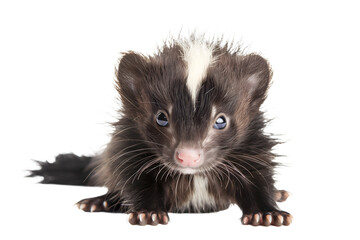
{"x":188,"y":157}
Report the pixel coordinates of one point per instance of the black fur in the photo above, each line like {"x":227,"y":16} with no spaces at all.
{"x":138,"y":166}
{"x":68,"y":169}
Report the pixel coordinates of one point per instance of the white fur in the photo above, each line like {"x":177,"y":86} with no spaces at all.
{"x":200,"y":197}
{"x":198,"y":57}
{"x":188,"y":170}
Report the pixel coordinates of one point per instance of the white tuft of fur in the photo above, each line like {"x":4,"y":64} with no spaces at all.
{"x":200,"y":198}
{"x":198,"y":57}
{"x":188,"y":170}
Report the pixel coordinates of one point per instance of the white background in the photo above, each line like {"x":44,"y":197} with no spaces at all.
{"x":57,"y":62}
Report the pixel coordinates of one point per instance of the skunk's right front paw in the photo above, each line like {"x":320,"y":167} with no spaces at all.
{"x":148,"y":218}
{"x":96,"y":204}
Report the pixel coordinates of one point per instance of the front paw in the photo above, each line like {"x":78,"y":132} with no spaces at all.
{"x":96,"y":204}
{"x":148,"y":218}
{"x":276,"y":218}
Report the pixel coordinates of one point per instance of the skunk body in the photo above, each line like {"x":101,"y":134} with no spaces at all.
{"x":190,"y":138}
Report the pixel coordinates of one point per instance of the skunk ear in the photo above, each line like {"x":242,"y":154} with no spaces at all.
{"x":257,"y":75}
{"x":130,"y":74}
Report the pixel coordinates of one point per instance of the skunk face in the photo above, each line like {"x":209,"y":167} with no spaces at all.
{"x":193,"y":102}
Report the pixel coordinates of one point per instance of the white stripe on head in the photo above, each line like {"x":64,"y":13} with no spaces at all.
{"x":198,"y":56}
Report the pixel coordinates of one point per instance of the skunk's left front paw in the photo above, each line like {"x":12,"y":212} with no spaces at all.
{"x":148,"y":218}
{"x":281,"y":195}
{"x":276,"y":218}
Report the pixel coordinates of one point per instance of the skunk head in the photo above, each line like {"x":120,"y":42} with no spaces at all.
{"x":194,"y":101}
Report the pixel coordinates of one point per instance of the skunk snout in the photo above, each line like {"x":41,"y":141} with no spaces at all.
{"x":189,"y":157}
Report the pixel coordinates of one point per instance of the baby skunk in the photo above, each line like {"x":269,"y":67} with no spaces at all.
{"x":189,"y":140}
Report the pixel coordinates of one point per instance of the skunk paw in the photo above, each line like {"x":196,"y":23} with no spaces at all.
{"x":96,"y":204}
{"x":276,"y":218}
{"x":148,"y":218}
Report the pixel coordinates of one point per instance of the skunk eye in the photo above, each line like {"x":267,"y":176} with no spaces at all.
{"x":161,"y":119}
{"x":220,"y":123}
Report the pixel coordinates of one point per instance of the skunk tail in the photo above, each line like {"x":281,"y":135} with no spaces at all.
{"x":68,"y":169}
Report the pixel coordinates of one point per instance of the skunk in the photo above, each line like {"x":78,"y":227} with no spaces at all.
{"x":190,"y":138}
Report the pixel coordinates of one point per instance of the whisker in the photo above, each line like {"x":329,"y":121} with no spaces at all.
{"x":218,"y":174}
{"x":237,"y":170}
{"x":213,"y":169}
{"x":176,"y":185}
{"x":144,"y":167}
{"x":122,"y":189}
{"x":221,"y":168}
{"x":249,"y":164}
{"x":242,"y":175}
{"x":137,"y":140}
{"x":234,"y":171}
{"x":253,"y":159}
{"x":171,"y":171}
{"x":136,"y":162}
{"x":153,"y":168}
{"x":123,"y":152}
{"x":233,"y":162}
{"x":116,"y":133}
{"x":157,"y":175}
{"x":124,"y":161}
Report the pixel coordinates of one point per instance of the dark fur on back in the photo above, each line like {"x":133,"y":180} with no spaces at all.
{"x":138,"y":166}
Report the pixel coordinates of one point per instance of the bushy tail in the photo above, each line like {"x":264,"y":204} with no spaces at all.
{"x":68,"y":169}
